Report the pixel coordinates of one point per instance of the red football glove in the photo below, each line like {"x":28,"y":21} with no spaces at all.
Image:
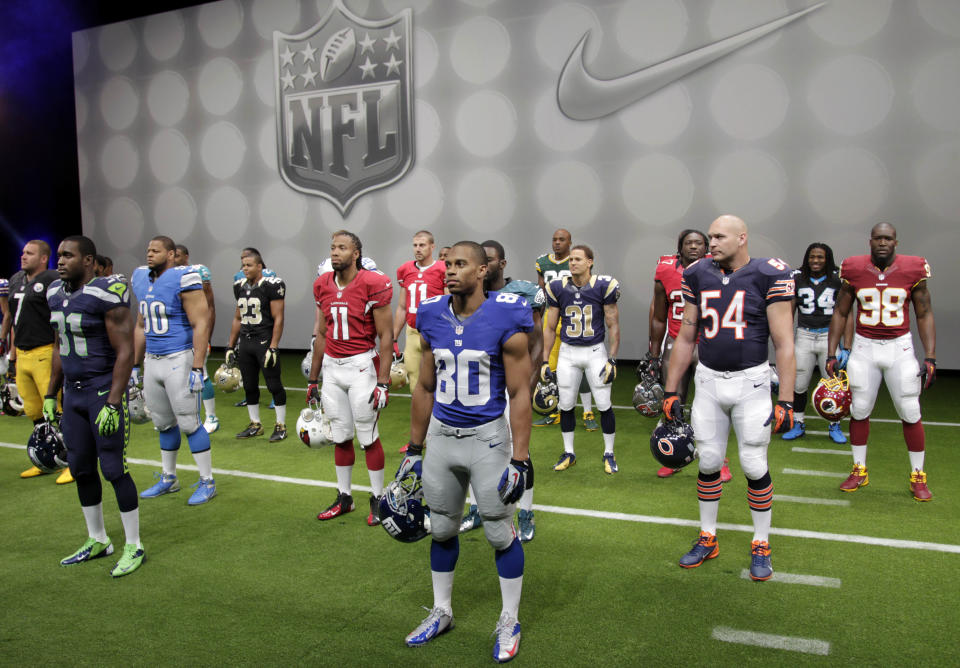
{"x":313,"y":392}
{"x":380,"y":396}
{"x":832,"y":365}
{"x":928,"y":372}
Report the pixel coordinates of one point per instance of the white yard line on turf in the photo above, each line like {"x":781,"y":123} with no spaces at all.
{"x":796,"y":578}
{"x":812,"y":501}
{"x":821,"y":451}
{"x":789,"y":643}
{"x":820,"y":474}
{"x":598,"y":514}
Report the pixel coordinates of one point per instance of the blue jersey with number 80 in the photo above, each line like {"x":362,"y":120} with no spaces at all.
{"x":471,"y":383}
{"x":165,"y":322}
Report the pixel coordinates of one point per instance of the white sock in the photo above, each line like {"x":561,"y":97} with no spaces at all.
{"x":761,"y":524}
{"x":708,"y":516}
{"x":210,"y":407}
{"x":253,"y":410}
{"x":204,"y":464}
{"x":585,"y":400}
{"x":526,"y":501}
{"x":798,"y":416}
{"x":510,"y":589}
{"x":93,"y":515}
{"x":281,"y":414}
{"x":376,"y":482}
{"x":443,"y":590}
{"x":567,"y":437}
{"x":168,"y":461}
{"x":608,"y":443}
{"x":859,"y":454}
{"x":471,"y":497}
{"x":131,"y":526}
{"x":345,"y":479}
{"x":916,"y":460}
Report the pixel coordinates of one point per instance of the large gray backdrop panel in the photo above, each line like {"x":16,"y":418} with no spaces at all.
{"x":844,"y":118}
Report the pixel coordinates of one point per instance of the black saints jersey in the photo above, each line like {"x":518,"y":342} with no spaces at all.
{"x":253,"y":301}
{"x":815,"y":299}
{"x":28,"y":306}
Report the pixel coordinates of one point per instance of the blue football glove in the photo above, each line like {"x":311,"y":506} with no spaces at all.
{"x":412,"y":461}
{"x":196,"y":379}
{"x":108,"y":419}
{"x":513,"y":481}
{"x":135,"y":379}
{"x":843,"y":354}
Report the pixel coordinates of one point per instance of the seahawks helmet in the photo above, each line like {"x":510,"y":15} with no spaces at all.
{"x":306,"y":364}
{"x":545,"y":398}
{"x":227,"y":378}
{"x":402,"y":511}
{"x":46,"y":448}
{"x":398,"y":374}
{"x":10,"y":400}
{"x":648,"y":396}
{"x":313,"y":428}
{"x":137,"y":407}
{"x":672,"y":444}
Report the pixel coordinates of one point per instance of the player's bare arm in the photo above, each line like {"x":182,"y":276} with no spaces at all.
{"x":234,"y":329}
{"x":319,"y":344}
{"x":682,"y":353}
{"x":535,"y":345}
{"x":195,"y":306}
{"x":611,"y":318}
{"x":383,"y":321}
{"x":923,"y":308}
{"x":550,"y":331}
{"x":780,"y":321}
{"x":56,"y":370}
{"x":658,"y":318}
{"x":211,"y":304}
{"x":276,"y":310}
{"x":139,"y":341}
{"x":422,"y":403}
{"x":400,"y":317}
{"x":120,"y":329}
{"x":517,"y":367}
{"x":841,"y":313}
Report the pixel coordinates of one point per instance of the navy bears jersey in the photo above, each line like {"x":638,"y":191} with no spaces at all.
{"x":165,"y":322}
{"x":471,"y":382}
{"x":530,"y":291}
{"x":815,"y":299}
{"x":581,"y":308}
{"x":253,"y":301}
{"x":85,"y":349}
{"x":733,"y":326}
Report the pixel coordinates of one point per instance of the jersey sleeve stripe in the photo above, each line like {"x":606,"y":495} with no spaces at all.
{"x":101,"y":294}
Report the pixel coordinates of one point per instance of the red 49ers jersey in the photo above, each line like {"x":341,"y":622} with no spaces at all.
{"x":883,"y":296}
{"x":419,"y":284}
{"x":669,"y":272}
{"x":348,"y":311}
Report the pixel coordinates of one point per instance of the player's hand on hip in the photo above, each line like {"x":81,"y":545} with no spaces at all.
{"x":412,"y":461}
{"x":832,"y":365}
{"x":609,"y":371}
{"x":196,"y":379}
{"x":270,"y":358}
{"x":380,"y":396}
{"x":781,"y":417}
{"x":843,"y":355}
{"x":50,"y":408}
{"x":313,"y":391}
{"x":108,"y":419}
{"x":672,"y":408}
{"x":513,"y":481}
{"x":547,"y":375}
{"x":928,"y":372}
{"x":135,"y":379}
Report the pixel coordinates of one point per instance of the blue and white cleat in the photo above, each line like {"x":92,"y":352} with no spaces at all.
{"x":166,"y":484}
{"x":206,"y":490}
{"x":471,"y":520}
{"x":836,"y":433}
{"x":507,"y":644}
{"x":438,"y":622}
{"x":797,"y":431}
{"x":761,"y":568}
{"x":211,"y":424}
{"x":527,"y":526}
{"x":610,"y":464}
{"x":705,"y":547}
{"x":567,"y":459}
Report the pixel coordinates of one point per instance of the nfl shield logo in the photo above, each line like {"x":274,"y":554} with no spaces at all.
{"x":344,"y":105}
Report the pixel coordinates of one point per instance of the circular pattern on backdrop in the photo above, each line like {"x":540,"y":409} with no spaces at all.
{"x":298,"y":272}
{"x":937,"y":173}
{"x":569,"y":194}
{"x":428,"y":129}
{"x":729,"y":17}
{"x":479,"y":49}
{"x":942,"y":16}
{"x":117,"y":46}
{"x":87,"y":221}
{"x":119,"y":162}
{"x":416,"y":201}
{"x":358,"y":7}
{"x":561,"y":28}
{"x":850,"y":22}
{"x":639,"y":260}
{"x":847,"y":186}
{"x":175,"y":213}
{"x":850,"y":94}
{"x":169,"y":156}
{"x":486,"y":200}
{"x":82,"y":166}
{"x":282,"y":211}
{"x":764,"y":246}
{"x":557,"y":131}
{"x":330,"y":218}
{"x":486,"y":123}
{"x":123,"y":223}
{"x":482,"y":4}
{"x":163,"y":35}
{"x":167,"y":97}
{"x":749,"y":184}
{"x":219,"y":85}
{"x":749,"y":101}
{"x":119,"y":103}
{"x":397,"y":6}
{"x":226,"y":215}
{"x":267,"y":143}
{"x":219,"y":23}
{"x":263,"y":79}
{"x":647,"y":40}
{"x":936,"y":91}
{"x":222,"y":149}
{"x":81,"y":51}
{"x":660,"y":118}
{"x":270,"y":15}
{"x":427,"y":57}
{"x":657,"y":189}
{"x":81,"y":104}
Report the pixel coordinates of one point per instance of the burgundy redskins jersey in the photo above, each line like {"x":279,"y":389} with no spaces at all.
{"x":883,"y":296}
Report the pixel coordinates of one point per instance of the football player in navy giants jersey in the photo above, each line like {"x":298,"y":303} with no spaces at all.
{"x":734,"y":302}
{"x":474,"y":354}
{"x":92,"y":361}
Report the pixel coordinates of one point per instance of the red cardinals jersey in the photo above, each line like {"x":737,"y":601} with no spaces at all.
{"x":348,"y":311}
{"x":669,"y":272}
{"x":883,"y":296}
{"x":420,"y":284}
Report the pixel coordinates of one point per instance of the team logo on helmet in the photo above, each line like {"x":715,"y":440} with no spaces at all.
{"x":344,"y":104}
{"x":832,"y":397}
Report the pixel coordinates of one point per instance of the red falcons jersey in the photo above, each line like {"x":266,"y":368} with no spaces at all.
{"x":348,"y":311}
{"x":669,"y":272}
{"x":420,"y":283}
{"x":883,"y":296}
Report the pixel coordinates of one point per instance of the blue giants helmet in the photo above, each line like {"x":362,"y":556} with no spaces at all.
{"x":402,"y":512}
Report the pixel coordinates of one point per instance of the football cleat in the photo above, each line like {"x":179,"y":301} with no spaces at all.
{"x":211,"y":424}
{"x":240,"y":404}
{"x":342,"y":506}
{"x":858,"y":478}
{"x":760,"y":566}
{"x":797,"y":431}
{"x":527,"y":526}
{"x":589,"y":421}
{"x":725,"y":475}
{"x":166,"y":484}
{"x":507,"y":644}
{"x":65,"y":477}
{"x":253,"y":429}
{"x":279,"y":432}
{"x":438,"y":622}
{"x":836,"y":433}
{"x":205,"y":490}
{"x":471,"y":520}
{"x":666,"y":472}
{"x":373,"y":519}
{"x":130,"y":560}
{"x":90,"y":550}
{"x":918,"y":486}
{"x":567,"y":459}
{"x":32,"y":472}
{"x":547,"y":420}
{"x":610,"y":464}
{"x":705,"y":547}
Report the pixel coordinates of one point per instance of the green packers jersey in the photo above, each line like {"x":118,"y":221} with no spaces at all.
{"x":550,"y":269}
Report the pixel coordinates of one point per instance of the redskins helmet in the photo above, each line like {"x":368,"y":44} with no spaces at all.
{"x":672,"y":444}
{"x":227,"y":378}
{"x":832,"y":397}
{"x":545,"y":398}
{"x":398,"y":374}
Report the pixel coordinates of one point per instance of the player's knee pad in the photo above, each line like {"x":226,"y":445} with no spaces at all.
{"x":112,"y":468}
{"x":499,"y":532}
{"x":711,"y":456}
{"x":188,"y":422}
{"x":753,"y":461}
{"x":275,"y":387}
{"x":82,"y":466}
{"x":89,"y":489}
{"x":169,"y":437}
{"x":906,"y":394}
{"x":444,"y":527}
{"x":608,"y":423}
{"x":199,"y":440}
{"x":367,"y":432}
{"x":208,"y":392}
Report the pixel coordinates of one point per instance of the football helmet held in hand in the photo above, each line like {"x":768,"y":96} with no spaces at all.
{"x":313,"y":428}
{"x":46,"y":448}
{"x":648,"y":396}
{"x":545,"y":398}
{"x":403,"y":514}
{"x":398,"y":374}
{"x":227,"y":378}
{"x":137,"y":407}
{"x":832,"y":397}
{"x":306,"y":364}
{"x":10,"y":400}
{"x":672,"y":444}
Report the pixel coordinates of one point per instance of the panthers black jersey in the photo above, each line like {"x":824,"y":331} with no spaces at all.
{"x":256,"y":318}
{"x":815,"y":299}
{"x":28,"y":306}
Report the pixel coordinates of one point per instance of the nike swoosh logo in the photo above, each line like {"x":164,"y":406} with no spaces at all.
{"x":493,"y":445}
{"x":583,"y":97}
{"x":100,"y":394}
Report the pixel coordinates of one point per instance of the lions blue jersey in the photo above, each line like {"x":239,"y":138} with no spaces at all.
{"x":165,"y":321}
{"x":85,"y":350}
{"x":581,"y":308}
{"x":733,"y":325}
{"x":471,"y":383}
{"x":529,"y":291}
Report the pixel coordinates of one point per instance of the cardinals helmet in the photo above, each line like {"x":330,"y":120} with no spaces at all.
{"x":313,"y":428}
{"x":832,"y":397}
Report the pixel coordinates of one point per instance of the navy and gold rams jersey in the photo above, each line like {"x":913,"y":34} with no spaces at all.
{"x":815,"y":299}
{"x":581,"y":307}
{"x":165,"y":321}
{"x":78,"y":316}
{"x":733,"y":325}
{"x":471,"y":381}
